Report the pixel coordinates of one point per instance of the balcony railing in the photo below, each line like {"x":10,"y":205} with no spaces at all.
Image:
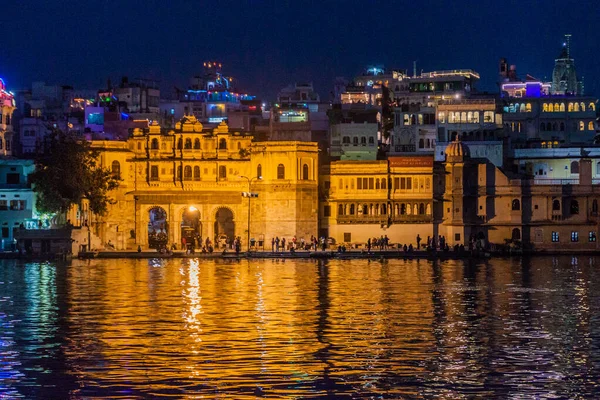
{"x":556,"y":181}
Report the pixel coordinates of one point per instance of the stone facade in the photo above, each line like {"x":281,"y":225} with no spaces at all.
{"x":192,"y":170}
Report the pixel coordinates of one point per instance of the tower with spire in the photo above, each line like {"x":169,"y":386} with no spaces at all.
{"x":564,"y":76}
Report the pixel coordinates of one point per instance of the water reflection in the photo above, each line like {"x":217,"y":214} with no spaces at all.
{"x":267,"y":328}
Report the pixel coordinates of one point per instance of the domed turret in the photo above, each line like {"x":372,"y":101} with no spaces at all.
{"x":456,"y":150}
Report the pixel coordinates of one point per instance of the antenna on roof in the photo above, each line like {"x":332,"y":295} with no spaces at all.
{"x":568,"y":37}
{"x":415,"y":69}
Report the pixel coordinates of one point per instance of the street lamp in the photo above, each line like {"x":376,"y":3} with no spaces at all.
{"x":249,"y":195}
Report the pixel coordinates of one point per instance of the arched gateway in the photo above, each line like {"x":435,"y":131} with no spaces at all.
{"x":224,"y":227}
{"x":158,"y":231}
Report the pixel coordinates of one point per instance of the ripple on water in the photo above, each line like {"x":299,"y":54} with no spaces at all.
{"x":363,"y":329}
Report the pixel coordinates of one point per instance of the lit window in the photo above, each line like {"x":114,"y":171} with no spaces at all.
{"x":592,"y":236}
{"x":555,"y":237}
{"x":581,"y":125}
{"x":574,"y":236}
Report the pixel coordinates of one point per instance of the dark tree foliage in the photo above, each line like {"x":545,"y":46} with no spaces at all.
{"x":68,"y":171}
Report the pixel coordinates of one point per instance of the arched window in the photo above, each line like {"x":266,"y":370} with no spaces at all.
{"x":427,"y":184}
{"x":522,"y":108}
{"x":415,"y":209}
{"x":592,"y":107}
{"x":154,"y":173}
{"x":516,"y":234}
{"x":384,"y":183}
{"x":581,"y":125}
{"x":187,"y":173}
{"x":355,"y":140}
{"x":545,"y":107}
{"x":591,"y":126}
{"x":305,"y":172}
{"x":116,"y":169}
{"x":402,"y":209}
{"x":179,"y":172}
{"x":363,"y":140}
{"x":280,"y":171}
{"x":340,"y":209}
{"x":371,"y":140}
{"x":259,"y":171}
{"x":352,"y":209}
{"x":163,"y":146}
{"x":574,"y":167}
{"x":154,"y":144}
{"x":421,"y":143}
{"x":428,"y":209}
{"x":365,"y":209}
{"x":562,"y":107}
{"x":422,"y":208}
{"x":528,"y":107}
{"x":196,"y":173}
{"x":188,"y":143}
{"x":570,"y":107}
{"x":582,"y":106}
{"x":180,"y":144}
{"x":463,"y":117}
{"x":542,"y":126}
{"x":222,"y":144}
{"x":562,"y":126}
{"x":516,"y":205}
{"x":555,"y":126}
{"x":556,"y":107}
{"x":383,"y":209}
{"x":574,"y":207}
{"x":576,"y":107}
{"x":346,"y":140}
{"x":555,"y":205}
{"x":222,"y":172}
{"x":197,"y":144}
{"x":377,"y":186}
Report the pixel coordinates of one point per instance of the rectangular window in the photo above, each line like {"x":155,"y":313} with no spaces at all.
{"x":3,"y":205}
{"x":574,"y":236}
{"x":555,"y":237}
{"x":402,"y":183}
{"x":408,"y":183}
{"x":592,"y":236}
{"x":371,"y":183}
{"x":365,"y":183}
{"x":4,"y":232}
{"x":347,"y":237}
{"x":359,"y":183}
{"x":327,"y":211}
{"x":457,"y":237}
{"x":396,"y":183}
{"x":17,"y":205}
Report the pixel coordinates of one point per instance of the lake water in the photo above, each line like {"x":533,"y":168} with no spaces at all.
{"x":185,"y":328}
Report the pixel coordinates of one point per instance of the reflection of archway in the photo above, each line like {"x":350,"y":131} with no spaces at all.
{"x":157,"y":227}
{"x":191,"y":227}
{"x":224,"y":226}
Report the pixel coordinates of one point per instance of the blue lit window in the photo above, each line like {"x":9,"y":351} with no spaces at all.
{"x":592,"y":237}
{"x":574,"y":236}
{"x":555,"y":237}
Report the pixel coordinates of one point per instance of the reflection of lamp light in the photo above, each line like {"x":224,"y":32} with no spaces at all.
{"x":192,"y":208}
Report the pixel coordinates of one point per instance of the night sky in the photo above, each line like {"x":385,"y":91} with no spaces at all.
{"x":269,"y":44}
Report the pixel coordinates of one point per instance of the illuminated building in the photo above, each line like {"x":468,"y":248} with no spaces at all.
{"x":353,"y":134}
{"x":476,"y":118}
{"x":367,"y":199}
{"x":138,"y":98}
{"x":7,"y":107}
{"x":414,"y":130}
{"x":564,"y":75}
{"x":17,"y":200}
{"x":210,"y":98}
{"x":187,"y":183}
{"x":550,"y":201}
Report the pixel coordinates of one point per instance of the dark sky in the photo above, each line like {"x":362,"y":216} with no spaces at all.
{"x":268,"y":44}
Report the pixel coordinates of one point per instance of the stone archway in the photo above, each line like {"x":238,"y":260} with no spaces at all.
{"x":191,"y":227}
{"x":158,"y":229}
{"x":224,"y":227}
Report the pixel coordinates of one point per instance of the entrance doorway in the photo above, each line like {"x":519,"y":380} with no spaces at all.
{"x":157,"y":228}
{"x":191,"y":227}
{"x":224,"y":227}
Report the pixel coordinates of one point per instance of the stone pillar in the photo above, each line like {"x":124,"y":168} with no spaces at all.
{"x":171,"y":218}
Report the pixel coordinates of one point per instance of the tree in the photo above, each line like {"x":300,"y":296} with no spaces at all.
{"x":67,"y":172}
